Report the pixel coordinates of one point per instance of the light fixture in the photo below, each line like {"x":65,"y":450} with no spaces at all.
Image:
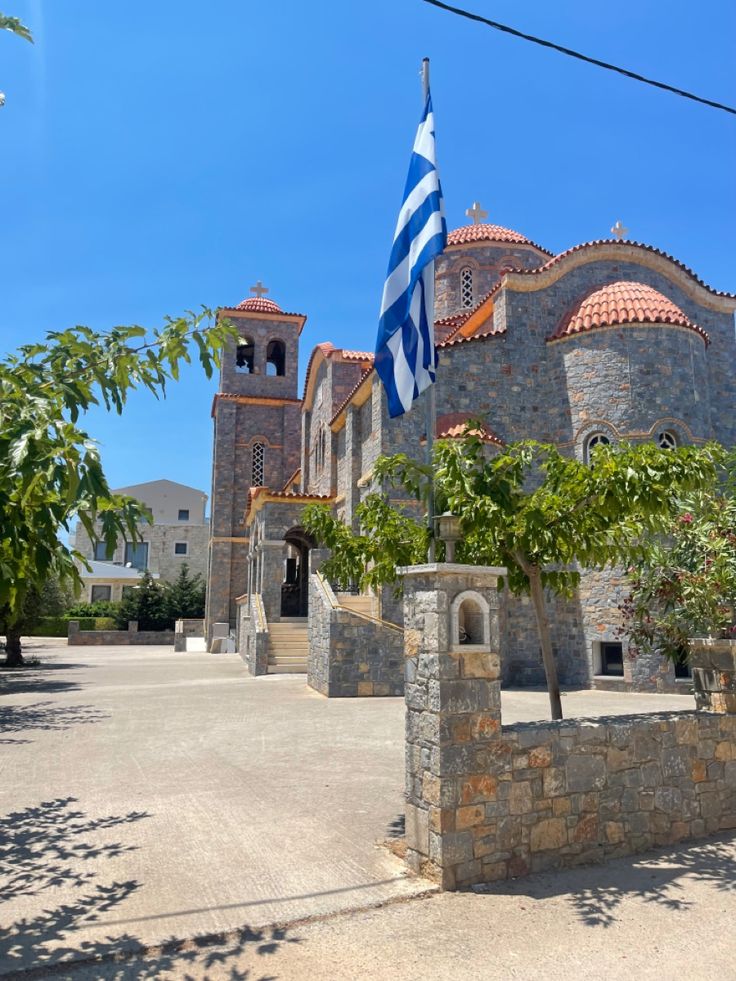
{"x":449,"y":532}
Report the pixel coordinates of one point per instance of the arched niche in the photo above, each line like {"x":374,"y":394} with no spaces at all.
{"x":470,"y":622}
{"x":276,"y":358}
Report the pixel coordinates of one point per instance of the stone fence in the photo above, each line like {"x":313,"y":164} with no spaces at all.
{"x":351,"y":654}
{"x":253,"y":633}
{"x":95,"y":638}
{"x":486,"y":802}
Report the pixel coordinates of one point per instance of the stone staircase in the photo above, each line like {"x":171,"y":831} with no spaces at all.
{"x":288,"y":646}
{"x":364,"y":604}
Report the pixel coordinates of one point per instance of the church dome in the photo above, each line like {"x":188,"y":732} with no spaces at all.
{"x":486,"y":233}
{"x":623,"y":303}
{"x":259,"y":304}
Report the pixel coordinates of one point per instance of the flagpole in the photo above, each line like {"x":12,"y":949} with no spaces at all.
{"x":431,"y":403}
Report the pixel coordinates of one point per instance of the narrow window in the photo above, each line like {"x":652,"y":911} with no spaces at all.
{"x":666,"y":440}
{"x":101,"y":553}
{"x":612,"y":658}
{"x":244,"y":355}
{"x":183,"y":514}
{"x":101,"y":594}
{"x":276,"y":358}
{"x":136,"y":556}
{"x":181,"y":548}
{"x":259,"y":454}
{"x":466,"y":287}
{"x":596,"y":439}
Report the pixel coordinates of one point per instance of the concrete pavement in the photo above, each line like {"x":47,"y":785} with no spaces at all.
{"x":148,"y":795}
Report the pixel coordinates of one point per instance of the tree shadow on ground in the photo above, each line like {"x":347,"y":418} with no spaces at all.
{"x":397,"y":828}
{"x":44,"y":715}
{"x":55,"y":846}
{"x":38,"y":679}
{"x":660,"y":877}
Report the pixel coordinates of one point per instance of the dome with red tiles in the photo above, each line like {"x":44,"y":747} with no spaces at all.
{"x":259,"y":304}
{"x":624,"y":303}
{"x":486,"y":233}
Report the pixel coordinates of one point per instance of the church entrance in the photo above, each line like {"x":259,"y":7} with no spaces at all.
{"x":295,"y":587}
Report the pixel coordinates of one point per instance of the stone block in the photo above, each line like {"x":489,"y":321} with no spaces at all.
{"x":520,"y":799}
{"x":417,"y":828}
{"x":585,"y":773}
{"x":469,"y":816}
{"x":586,"y":829}
{"x":547,"y":835}
{"x":478,"y":788}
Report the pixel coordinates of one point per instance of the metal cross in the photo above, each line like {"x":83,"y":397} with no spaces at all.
{"x":259,"y":289}
{"x":619,"y":231}
{"x":476,"y":213}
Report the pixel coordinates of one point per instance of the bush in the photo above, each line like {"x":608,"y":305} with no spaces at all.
{"x":102,"y":608}
{"x":59,"y":626}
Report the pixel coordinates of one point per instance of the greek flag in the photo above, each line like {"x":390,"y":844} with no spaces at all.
{"x":406,"y":359}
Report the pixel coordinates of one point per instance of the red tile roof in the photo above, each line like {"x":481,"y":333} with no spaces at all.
{"x":259,"y":304}
{"x":607,"y":242}
{"x":623,"y":303}
{"x":453,"y":425}
{"x":490,"y":233}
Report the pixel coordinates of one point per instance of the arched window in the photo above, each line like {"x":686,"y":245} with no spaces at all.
{"x":244,"y":354}
{"x":466,"y":287}
{"x":276,"y":358}
{"x":595,"y":439}
{"x":666,"y":440}
{"x":259,"y":456}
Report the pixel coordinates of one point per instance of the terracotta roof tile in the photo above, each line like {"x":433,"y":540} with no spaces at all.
{"x":619,"y":245}
{"x":623,"y":303}
{"x":259,"y":304}
{"x":453,"y":425}
{"x":490,"y":233}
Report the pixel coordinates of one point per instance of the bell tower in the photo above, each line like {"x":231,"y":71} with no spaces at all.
{"x":256,"y":413}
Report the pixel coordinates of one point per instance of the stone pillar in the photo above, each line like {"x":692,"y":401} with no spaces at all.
{"x":453,"y":715}
{"x":714,"y":675}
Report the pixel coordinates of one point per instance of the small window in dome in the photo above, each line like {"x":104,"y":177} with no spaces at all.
{"x":244,"y":356}
{"x":666,"y":440}
{"x":466,"y":287}
{"x":595,"y":439}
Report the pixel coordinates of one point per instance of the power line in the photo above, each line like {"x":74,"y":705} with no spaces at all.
{"x":581,"y":57}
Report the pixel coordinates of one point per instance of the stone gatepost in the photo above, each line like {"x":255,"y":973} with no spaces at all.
{"x":453,"y":716}
{"x":714,"y":675}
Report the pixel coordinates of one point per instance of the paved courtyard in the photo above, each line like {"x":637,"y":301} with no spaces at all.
{"x":149,"y":797}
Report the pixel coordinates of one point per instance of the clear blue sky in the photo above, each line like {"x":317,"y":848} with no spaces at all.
{"x":157,"y":156}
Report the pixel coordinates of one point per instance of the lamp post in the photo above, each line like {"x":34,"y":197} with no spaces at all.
{"x":449,"y":532}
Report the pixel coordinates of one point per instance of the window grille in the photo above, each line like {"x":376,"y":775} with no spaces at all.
{"x":667,"y":440}
{"x":259,"y":454}
{"x":466,"y":287}
{"x":597,"y":439}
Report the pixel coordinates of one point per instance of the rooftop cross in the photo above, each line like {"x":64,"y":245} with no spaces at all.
{"x":476,"y":213}
{"x":259,"y":289}
{"x":619,"y":231}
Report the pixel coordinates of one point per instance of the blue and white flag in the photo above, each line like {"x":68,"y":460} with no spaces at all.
{"x":406,"y":359}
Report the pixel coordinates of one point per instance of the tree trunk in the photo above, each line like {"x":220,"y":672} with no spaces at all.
{"x":14,"y":658}
{"x":545,"y":639}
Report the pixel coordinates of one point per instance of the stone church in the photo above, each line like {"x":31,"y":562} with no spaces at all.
{"x":609,"y":340}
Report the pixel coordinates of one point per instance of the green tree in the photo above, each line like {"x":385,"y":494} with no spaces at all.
{"x":686,"y":585}
{"x":185,"y":596}
{"x":527,"y":507}
{"x":50,"y":469}
{"x":51,"y":599}
{"x":145,"y":603}
{"x":15,"y":26}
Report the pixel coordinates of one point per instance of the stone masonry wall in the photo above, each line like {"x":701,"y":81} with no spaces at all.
{"x":487,"y":802}
{"x":555,"y":795}
{"x":349,"y":654}
{"x":119,"y":638}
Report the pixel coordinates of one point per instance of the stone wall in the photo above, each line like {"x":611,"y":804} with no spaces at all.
{"x":349,"y":654}
{"x":252,"y":635}
{"x":487,"y":802}
{"x":119,"y":638}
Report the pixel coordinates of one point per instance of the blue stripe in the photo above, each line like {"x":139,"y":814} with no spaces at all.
{"x":402,"y":243}
{"x":398,"y":317}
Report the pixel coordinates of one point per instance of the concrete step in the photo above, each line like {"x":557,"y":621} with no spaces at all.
{"x":287,"y":669}
{"x":358,"y":604}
